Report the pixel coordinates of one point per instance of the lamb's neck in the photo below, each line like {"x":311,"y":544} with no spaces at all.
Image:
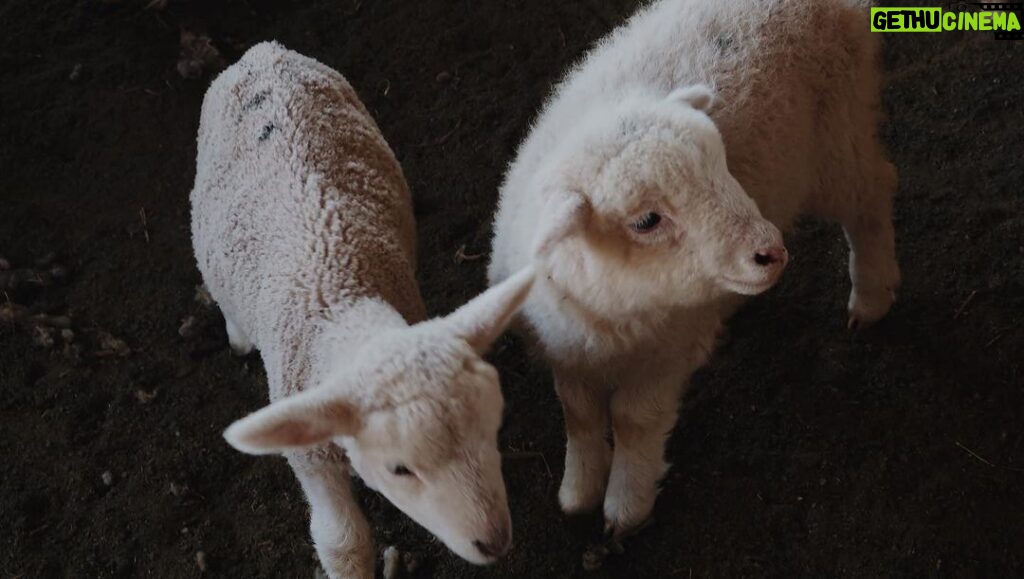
{"x":324,"y":340}
{"x":575,"y":330}
{"x":344,"y":331}
{"x":649,"y":325}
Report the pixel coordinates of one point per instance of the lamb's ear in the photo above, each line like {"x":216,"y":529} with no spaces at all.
{"x":698,"y":96}
{"x":565,"y":213}
{"x":485,"y":317}
{"x":298,"y":421}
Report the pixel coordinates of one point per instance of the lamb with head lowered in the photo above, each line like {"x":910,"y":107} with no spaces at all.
{"x":303,"y":231}
{"x":652,"y":191}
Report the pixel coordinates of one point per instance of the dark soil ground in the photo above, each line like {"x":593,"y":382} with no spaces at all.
{"x":802,"y":449}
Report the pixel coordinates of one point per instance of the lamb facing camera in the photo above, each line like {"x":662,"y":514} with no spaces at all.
{"x":303,"y":231}
{"x":652,"y":191}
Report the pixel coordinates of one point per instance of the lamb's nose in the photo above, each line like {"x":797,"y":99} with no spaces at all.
{"x":485,"y":549}
{"x":492,"y":551}
{"x":771,"y":256}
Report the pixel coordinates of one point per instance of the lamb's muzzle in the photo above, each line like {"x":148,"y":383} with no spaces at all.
{"x":753,"y":271}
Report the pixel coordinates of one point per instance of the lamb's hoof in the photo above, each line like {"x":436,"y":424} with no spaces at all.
{"x":626,"y":513}
{"x":617,"y":531}
{"x":575,"y":499}
{"x":594,"y":556}
{"x":346,"y":569}
{"x":239,"y":342}
{"x":241,"y":350}
{"x":867,"y":307}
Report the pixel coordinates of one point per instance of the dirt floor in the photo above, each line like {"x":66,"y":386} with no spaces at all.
{"x":802,"y":449}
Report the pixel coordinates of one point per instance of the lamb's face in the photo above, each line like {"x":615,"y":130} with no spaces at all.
{"x":418,"y":411}
{"x":433,"y":453}
{"x":644,"y":213}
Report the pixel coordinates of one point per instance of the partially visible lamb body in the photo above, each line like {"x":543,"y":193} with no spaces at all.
{"x":796,"y":101}
{"x":286,"y":249}
{"x":303,"y":231}
{"x":793,"y":79}
{"x":328,"y":236}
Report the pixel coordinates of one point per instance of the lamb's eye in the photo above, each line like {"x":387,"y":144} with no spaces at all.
{"x":647,"y":223}
{"x":401,"y":470}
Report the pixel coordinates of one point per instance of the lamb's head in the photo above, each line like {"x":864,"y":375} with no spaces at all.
{"x":418,"y":416}
{"x":642,"y":212}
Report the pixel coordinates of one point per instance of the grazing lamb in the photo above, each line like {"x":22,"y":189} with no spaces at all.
{"x":303,"y":231}
{"x":652,"y":190}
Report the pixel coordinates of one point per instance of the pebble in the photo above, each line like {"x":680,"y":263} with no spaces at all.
{"x":594,"y":557}
{"x":201,"y":561}
{"x":17,"y":277}
{"x":198,"y":55}
{"x":107,"y":477}
{"x":73,"y":352}
{"x":4,"y":264}
{"x":42,"y":336}
{"x":145,"y":397}
{"x":202,"y":296}
{"x":391,"y":561}
{"x":60,"y":322}
{"x":111,"y":345}
{"x":187,"y":329}
{"x":76,"y":72}
{"x":9,"y":313}
{"x":412,"y":562}
{"x":443,"y":76}
{"x":59,"y":273}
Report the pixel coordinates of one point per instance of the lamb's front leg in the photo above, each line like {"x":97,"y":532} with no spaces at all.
{"x":587,"y":454}
{"x":873,"y":268}
{"x":340,"y":533}
{"x":643,"y":416}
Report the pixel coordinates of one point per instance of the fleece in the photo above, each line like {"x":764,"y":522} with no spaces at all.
{"x":300,"y":212}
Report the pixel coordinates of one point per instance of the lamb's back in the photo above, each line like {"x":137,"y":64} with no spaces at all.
{"x":299,"y":205}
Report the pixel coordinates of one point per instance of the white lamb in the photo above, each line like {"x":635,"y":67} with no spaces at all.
{"x":652,"y":189}
{"x":303,"y":231}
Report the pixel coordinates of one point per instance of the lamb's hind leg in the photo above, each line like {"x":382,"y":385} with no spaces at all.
{"x":874,"y":271}
{"x":241,"y":345}
{"x":340,"y":533}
